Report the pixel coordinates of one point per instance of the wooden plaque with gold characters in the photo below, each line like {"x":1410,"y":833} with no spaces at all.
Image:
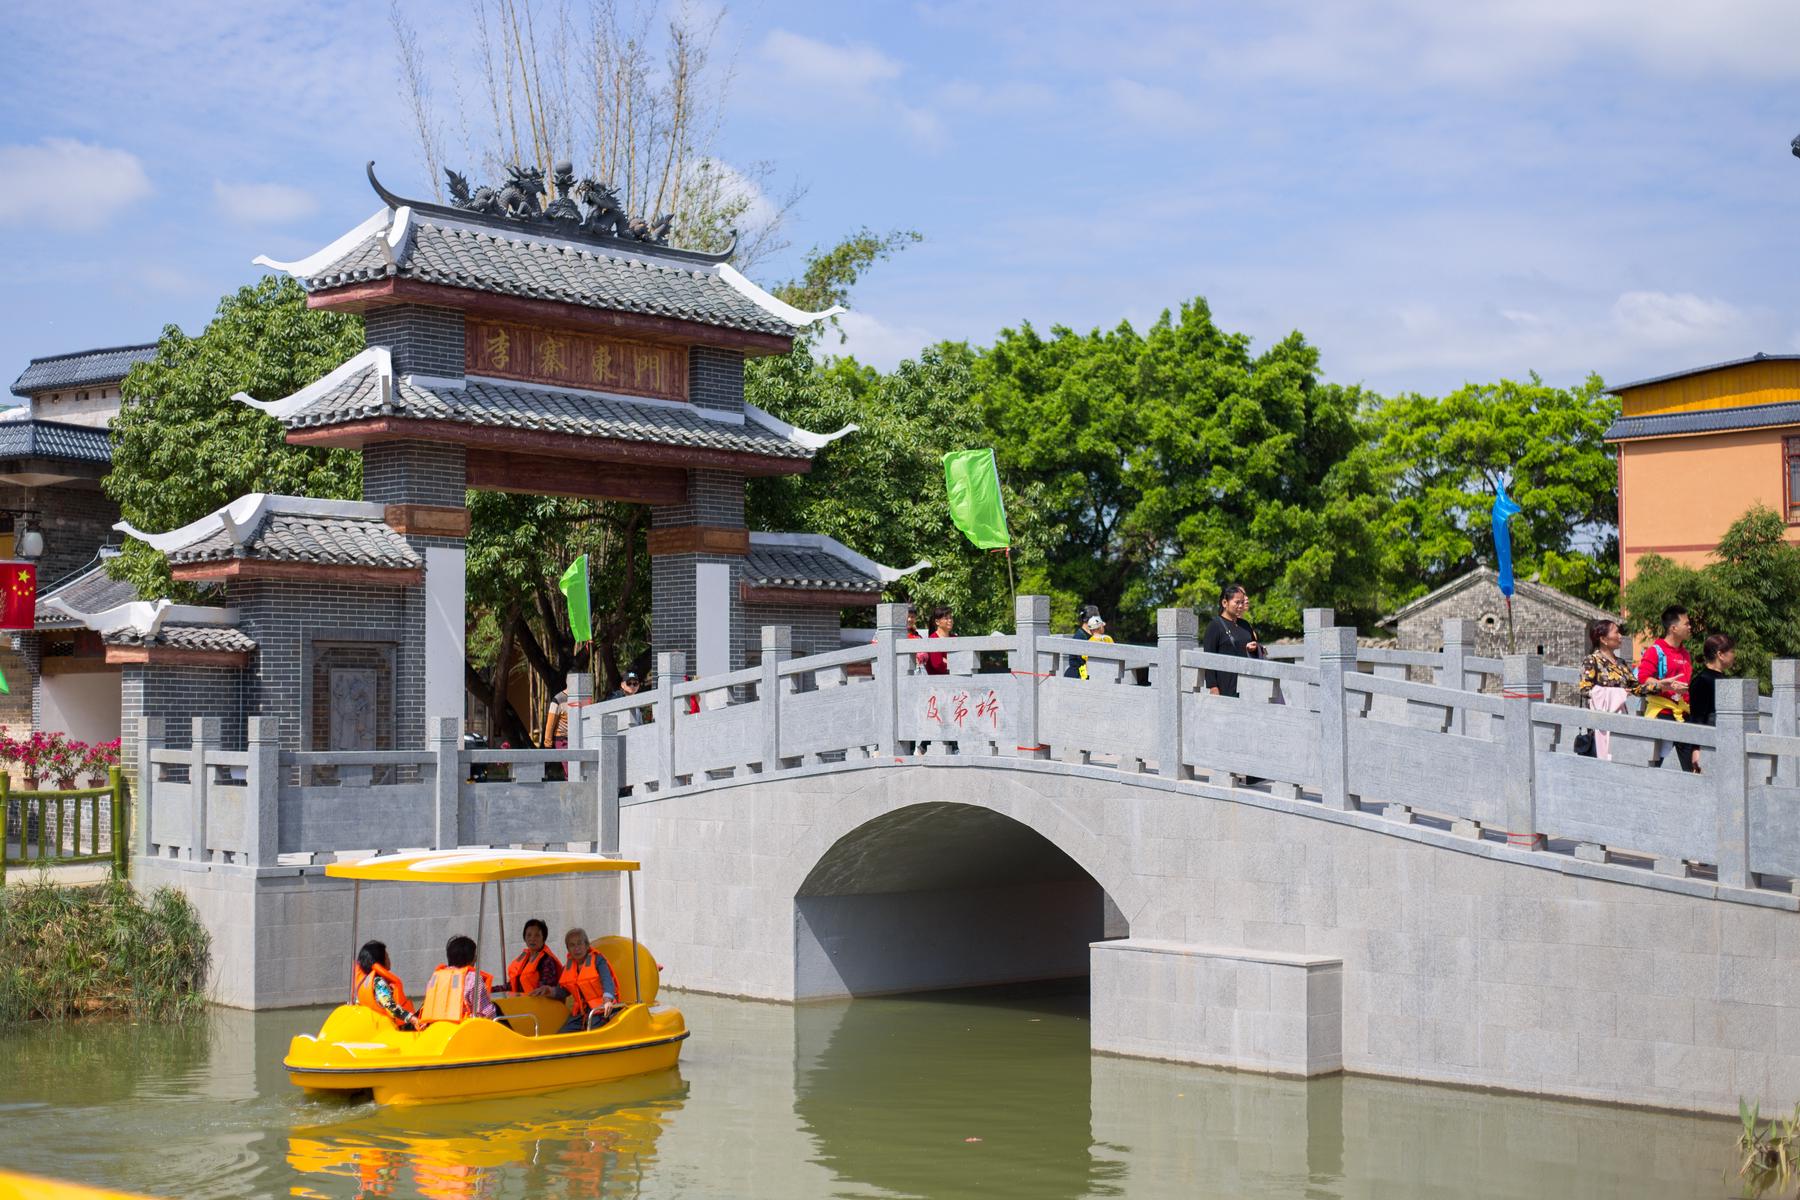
{"x":564,"y":358}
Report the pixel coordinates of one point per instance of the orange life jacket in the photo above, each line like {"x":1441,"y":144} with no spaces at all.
{"x":522,"y":973}
{"x":585,"y":980}
{"x":365,"y":990}
{"x":444,"y":999}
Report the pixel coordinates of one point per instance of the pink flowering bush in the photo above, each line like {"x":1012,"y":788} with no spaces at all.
{"x":55,"y":756}
{"x":100,"y":757}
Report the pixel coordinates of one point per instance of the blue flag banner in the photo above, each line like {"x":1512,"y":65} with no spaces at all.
{"x":1504,"y":508}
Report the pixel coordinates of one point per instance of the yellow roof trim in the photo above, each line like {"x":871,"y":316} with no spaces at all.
{"x":474,"y":866}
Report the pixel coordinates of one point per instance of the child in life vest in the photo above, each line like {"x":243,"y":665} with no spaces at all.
{"x":378,"y":988}
{"x":458,"y":989}
{"x":535,"y":971}
{"x":588,"y":982}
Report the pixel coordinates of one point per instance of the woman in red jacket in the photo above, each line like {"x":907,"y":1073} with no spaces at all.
{"x":937,"y":662}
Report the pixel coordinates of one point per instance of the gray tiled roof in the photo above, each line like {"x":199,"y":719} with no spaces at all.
{"x":54,"y":440}
{"x":300,"y":537}
{"x":483,"y":261}
{"x":91,"y":591}
{"x":186,"y":637}
{"x":80,"y":369}
{"x":524,"y":407}
{"x":800,"y":567}
{"x":1712,"y":420}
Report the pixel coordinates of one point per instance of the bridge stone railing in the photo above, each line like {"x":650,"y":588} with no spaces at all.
{"x":1343,"y":727}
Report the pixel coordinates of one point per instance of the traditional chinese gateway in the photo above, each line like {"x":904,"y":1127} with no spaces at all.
{"x":523,"y":344}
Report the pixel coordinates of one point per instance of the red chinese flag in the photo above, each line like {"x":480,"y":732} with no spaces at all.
{"x":18,"y":599}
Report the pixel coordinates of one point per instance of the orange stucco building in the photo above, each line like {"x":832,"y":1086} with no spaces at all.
{"x":1699,"y":447}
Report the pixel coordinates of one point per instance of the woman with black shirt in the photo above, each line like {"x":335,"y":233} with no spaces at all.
{"x":1719,"y":658}
{"x":1230,"y":633}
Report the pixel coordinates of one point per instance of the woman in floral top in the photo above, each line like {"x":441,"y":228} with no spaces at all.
{"x":1606,"y":681}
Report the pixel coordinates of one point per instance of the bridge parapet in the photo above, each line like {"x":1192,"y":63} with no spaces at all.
{"x":1348,"y":727}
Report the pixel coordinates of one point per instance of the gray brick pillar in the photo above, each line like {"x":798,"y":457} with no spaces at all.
{"x":697,"y":551}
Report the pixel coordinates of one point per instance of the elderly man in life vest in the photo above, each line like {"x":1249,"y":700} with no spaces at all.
{"x":379,"y":989}
{"x":588,"y":982}
{"x":458,"y":989}
{"x":535,"y":971}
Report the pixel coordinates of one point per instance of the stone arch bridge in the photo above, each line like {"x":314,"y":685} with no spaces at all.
{"x":1419,"y":877}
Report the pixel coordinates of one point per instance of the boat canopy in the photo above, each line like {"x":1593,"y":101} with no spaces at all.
{"x":474,"y":866}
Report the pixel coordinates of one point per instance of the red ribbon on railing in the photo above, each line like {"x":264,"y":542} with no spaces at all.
{"x":1506,"y":694}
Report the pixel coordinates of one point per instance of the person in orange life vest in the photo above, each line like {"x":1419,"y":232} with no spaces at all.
{"x":588,"y":982}
{"x":377,"y":987}
{"x":536,"y":970}
{"x":458,"y":989}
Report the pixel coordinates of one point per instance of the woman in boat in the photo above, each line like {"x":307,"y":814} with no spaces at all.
{"x":458,"y":989}
{"x":589,"y":984}
{"x":535,"y":971}
{"x":378,"y":988}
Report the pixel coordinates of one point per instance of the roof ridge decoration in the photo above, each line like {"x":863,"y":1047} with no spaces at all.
{"x":242,"y":517}
{"x":146,"y":617}
{"x":771,"y":304}
{"x":582,"y":209}
{"x":378,"y":357}
{"x":837,"y":549}
{"x":795,"y":434}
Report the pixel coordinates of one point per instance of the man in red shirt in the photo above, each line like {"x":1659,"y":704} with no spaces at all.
{"x":1667,"y":669}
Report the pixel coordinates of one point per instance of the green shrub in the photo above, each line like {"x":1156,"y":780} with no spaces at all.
{"x":79,"y":951}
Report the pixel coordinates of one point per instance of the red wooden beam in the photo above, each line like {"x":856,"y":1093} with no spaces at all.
{"x":359,"y":297}
{"x":808,"y":597}
{"x":356,"y":434}
{"x":185,"y":656}
{"x":544,"y":475}
{"x":261,"y":568}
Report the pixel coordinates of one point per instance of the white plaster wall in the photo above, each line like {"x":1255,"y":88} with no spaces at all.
{"x":1461,"y":963}
{"x":84,"y":706}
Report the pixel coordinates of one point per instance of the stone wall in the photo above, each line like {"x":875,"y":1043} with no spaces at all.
{"x":76,"y":520}
{"x":815,"y":630}
{"x":1539,"y":627}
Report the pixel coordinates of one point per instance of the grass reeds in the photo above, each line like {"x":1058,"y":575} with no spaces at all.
{"x":96,"y":950}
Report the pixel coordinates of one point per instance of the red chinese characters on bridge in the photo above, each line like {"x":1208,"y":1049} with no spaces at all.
{"x":954,"y":709}
{"x":566,"y":358}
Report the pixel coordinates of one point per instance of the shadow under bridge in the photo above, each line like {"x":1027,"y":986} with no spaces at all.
{"x":943,"y":895}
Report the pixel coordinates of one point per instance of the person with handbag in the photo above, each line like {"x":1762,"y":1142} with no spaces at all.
{"x":1606,"y":682}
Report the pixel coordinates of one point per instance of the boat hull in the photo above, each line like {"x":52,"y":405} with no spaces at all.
{"x":356,"y":1051}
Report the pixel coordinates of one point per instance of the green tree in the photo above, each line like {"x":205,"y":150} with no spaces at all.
{"x":1446,"y":455}
{"x":179,"y":423}
{"x":1750,"y":590}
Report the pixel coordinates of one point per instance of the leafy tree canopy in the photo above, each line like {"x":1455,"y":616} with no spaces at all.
{"x":179,"y":423}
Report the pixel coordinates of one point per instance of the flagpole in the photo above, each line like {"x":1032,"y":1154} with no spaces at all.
{"x":1512,"y":646}
{"x":1012,"y":586}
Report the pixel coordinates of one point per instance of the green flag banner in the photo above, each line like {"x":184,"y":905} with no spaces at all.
{"x":574,"y":585}
{"x":972,"y":478}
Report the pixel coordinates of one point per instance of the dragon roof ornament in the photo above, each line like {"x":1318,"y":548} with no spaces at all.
{"x":576,"y":209}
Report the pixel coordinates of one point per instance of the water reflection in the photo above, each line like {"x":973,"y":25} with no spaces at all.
{"x":970,"y":1094}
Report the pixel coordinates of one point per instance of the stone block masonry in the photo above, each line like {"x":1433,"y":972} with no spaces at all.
{"x":424,"y":340}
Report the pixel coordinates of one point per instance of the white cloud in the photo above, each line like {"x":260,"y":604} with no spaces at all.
{"x":66,"y":184}
{"x":808,"y":61}
{"x":1678,"y":318}
{"x":1153,"y":107}
{"x":262,"y":203}
{"x":873,"y":342}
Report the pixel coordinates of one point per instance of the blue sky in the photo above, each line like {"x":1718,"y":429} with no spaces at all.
{"x":1431,"y":192}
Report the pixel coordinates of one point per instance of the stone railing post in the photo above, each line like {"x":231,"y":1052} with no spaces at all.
{"x":1336,"y":656}
{"x":1031,"y":617}
{"x":1787,"y":715}
{"x":151,"y":736}
{"x":1728,"y":770}
{"x":580,"y":685}
{"x":1177,"y":630}
{"x":890,"y":627}
{"x":262,"y":792}
{"x":1521,"y":688}
{"x":670,"y":667}
{"x":1311,"y":621}
{"x":1453,"y":669}
{"x":207,"y":736}
{"x":777,"y":648}
{"x":446,"y":782}
{"x":611,"y":776}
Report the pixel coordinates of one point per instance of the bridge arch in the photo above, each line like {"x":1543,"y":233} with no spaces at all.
{"x":939,"y":877}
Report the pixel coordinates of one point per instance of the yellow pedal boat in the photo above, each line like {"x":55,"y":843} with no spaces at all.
{"x":518,"y":1053}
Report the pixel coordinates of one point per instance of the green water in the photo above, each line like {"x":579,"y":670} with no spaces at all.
{"x":967,"y":1094}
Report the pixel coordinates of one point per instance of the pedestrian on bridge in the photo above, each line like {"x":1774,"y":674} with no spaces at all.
{"x":1230,"y":633}
{"x":1606,"y":680}
{"x":1666,"y":670}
